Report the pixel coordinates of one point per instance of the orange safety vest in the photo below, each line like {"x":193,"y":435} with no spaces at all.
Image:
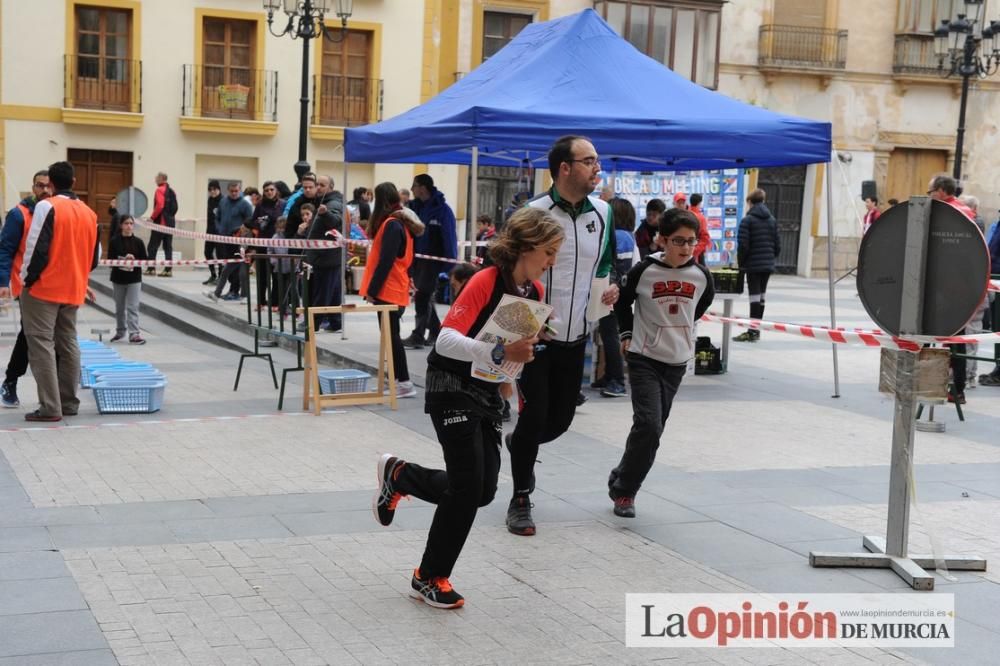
{"x":16,"y":284}
{"x":71,"y":253}
{"x":396,"y":288}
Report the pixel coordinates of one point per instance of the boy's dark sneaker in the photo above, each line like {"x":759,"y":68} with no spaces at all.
{"x":519,"y":516}
{"x":210,"y":280}
{"x":625,"y":507}
{"x":436,"y":592}
{"x":136,"y":340}
{"x":747,"y":336}
{"x":8,"y":395}
{"x":413,"y":341}
{"x":580,"y":399}
{"x":150,"y":271}
{"x":387,"y":497}
{"x":599,"y":384}
{"x":614,"y":389}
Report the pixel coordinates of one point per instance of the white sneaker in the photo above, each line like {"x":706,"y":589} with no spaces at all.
{"x":405,"y":390}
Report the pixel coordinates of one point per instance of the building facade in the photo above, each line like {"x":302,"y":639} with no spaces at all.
{"x":200,"y":89}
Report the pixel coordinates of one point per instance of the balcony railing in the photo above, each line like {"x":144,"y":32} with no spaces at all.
{"x":102,"y":83}
{"x":914,"y":54}
{"x":346,"y":101}
{"x":211,"y":91}
{"x":794,"y":46}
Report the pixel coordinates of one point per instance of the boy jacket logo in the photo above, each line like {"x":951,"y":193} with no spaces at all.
{"x":673,"y":288}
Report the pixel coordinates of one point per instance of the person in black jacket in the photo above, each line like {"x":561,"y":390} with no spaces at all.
{"x":127,"y":282}
{"x":325,"y":287}
{"x":212,"y":250}
{"x":757,"y":251}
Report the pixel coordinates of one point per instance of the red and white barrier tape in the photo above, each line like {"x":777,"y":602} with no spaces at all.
{"x":281,"y":242}
{"x":869,"y":338}
{"x":994,"y":285}
{"x":141,"y":263}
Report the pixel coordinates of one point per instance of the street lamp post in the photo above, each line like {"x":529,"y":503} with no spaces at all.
{"x":961,"y":52}
{"x":306,"y":22}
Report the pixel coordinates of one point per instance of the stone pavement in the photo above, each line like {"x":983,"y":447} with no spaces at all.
{"x":220,"y":531}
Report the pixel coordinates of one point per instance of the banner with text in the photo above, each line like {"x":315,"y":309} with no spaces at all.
{"x":722,"y":204}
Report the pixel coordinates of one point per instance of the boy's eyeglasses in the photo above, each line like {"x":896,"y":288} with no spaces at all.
{"x":681,"y":242}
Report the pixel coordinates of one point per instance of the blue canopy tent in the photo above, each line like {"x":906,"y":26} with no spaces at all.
{"x":575,"y":75}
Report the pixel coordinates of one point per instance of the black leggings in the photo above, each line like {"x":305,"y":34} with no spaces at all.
{"x":402,"y":372}
{"x":548,"y":387}
{"x":471,"y":446}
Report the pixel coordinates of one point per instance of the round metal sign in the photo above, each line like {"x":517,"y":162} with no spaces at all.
{"x":955,"y":274}
{"x":132,"y":201}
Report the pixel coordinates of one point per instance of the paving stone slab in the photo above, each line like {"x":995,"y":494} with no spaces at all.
{"x":87,"y":658}
{"x":14,"y":539}
{"x":45,"y":633}
{"x":43,"y":595}
{"x":32,"y":565}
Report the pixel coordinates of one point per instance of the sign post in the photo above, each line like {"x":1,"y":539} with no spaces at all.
{"x":922,"y":270}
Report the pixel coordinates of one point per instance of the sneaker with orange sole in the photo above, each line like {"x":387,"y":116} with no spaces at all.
{"x":436,"y":592}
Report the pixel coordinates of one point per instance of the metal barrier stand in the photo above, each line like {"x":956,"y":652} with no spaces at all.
{"x":289,"y":292}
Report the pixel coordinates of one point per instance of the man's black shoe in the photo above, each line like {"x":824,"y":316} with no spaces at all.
{"x":625,"y":507}
{"x":414,"y":341}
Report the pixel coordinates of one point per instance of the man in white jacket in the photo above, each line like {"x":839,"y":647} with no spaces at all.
{"x":549,"y":386}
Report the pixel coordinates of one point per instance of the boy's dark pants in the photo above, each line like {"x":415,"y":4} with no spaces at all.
{"x":654,"y":385}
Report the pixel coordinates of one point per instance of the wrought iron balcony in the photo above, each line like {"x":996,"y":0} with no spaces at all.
{"x":211,"y":91}
{"x":801,"y":48}
{"x":102,"y":83}
{"x":914,"y":54}
{"x":346,"y":101}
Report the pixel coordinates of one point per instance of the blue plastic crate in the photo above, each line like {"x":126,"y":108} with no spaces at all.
{"x":343,"y":381}
{"x":128,"y":375}
{"x":88,"y":370}
{"x":129,"y":397}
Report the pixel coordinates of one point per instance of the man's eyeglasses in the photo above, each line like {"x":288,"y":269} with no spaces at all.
{"x":589,"y":162}
{"x":681,"y":242}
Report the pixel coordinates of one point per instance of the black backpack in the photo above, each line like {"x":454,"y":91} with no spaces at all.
{"x":170,"y":202}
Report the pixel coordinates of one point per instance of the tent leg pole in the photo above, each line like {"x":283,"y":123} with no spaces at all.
{"x":829,"y":273}
{"x":473,"y":212}
{"x":345,"y":225}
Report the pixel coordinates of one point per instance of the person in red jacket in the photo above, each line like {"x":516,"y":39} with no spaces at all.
{"x":704,"y":240}
{"x":466,"y":408}
{"x":164,"y":210}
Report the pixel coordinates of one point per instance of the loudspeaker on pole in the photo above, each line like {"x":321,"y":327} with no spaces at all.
{"x":868,"y":189}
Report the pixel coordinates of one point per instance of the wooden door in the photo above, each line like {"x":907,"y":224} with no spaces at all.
{"x":910,"y":169}
{"x":100,"y":175}
{"x":346,"y":88}
{"x":228,"y":78}
{"x":103,"y":68}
